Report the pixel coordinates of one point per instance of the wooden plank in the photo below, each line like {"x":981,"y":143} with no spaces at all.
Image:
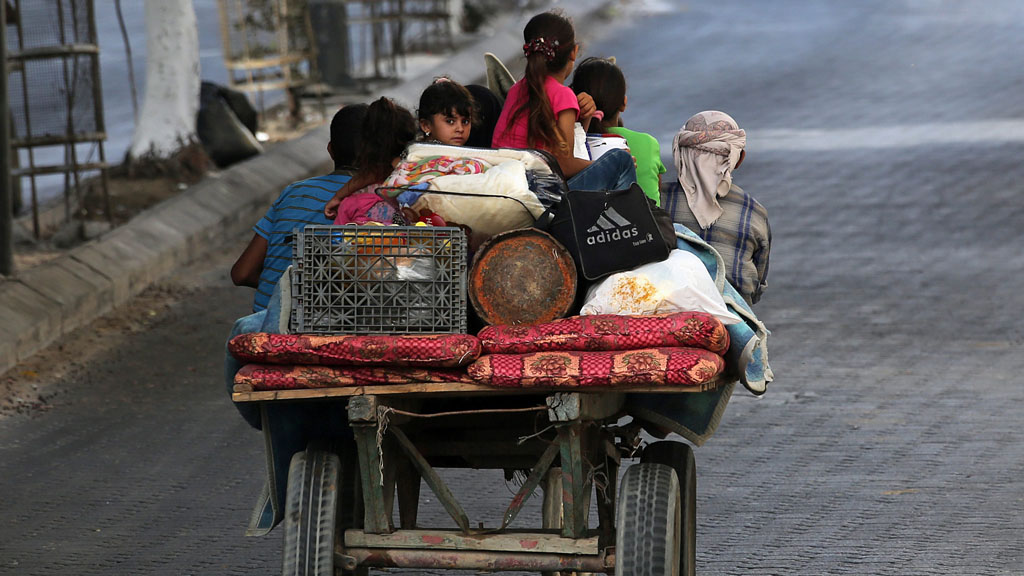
{"x":451,"y":388}
{"x":532,"y":481}
{"x":440,"y":489}
{"x":575,"y":480}
{"x":376,"y":518}
{"x":508,"y":541}
{"x":376,"y":508}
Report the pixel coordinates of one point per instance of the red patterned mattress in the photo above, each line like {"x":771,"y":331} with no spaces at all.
{"x":680,"y":349}
{"x":622,"y":368}
{"x":278,"y":377}
{"x":609,"y":332}
{"x":431,"y":350}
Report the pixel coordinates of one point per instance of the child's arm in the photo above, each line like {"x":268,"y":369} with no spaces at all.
{"x":357,"y":182}
{"x":247,"y":269}
{"x":569,"y":164}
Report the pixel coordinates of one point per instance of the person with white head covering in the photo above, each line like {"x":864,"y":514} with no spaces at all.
{"x":704,"y":198}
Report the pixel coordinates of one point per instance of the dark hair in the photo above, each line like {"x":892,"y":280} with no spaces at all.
{"x":445,"y":96}
{"x":346,"y":134}
{"x":387,"y":130}
{"x":489,"y":108}
{"x":604,"y":81}
{"x":554,"y":30}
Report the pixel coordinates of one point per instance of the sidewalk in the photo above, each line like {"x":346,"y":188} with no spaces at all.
{"x":41,"y":304}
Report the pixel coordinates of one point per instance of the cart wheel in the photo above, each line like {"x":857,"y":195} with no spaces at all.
{"x":648,"y":522}
{"x":310,"y":513}
{"x":680,"y":457}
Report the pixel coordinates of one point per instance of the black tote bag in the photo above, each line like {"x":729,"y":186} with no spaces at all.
{"x":608,"y":231}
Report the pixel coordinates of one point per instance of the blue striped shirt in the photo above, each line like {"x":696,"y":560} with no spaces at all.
{"x":741,"y":235}
{"x":301,"y":203}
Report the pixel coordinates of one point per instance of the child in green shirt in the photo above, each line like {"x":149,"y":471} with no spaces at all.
{"x":605,"y":83}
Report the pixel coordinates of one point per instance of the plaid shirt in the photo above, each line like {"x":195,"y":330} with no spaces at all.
{"x":741,"y":235}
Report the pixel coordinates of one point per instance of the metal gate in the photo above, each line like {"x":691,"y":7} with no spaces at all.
{"x":56,"y":102}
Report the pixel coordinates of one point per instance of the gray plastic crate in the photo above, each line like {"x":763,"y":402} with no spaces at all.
{"x":379,"y":280}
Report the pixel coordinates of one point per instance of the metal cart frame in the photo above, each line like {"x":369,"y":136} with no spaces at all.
{"x":340,"y":502}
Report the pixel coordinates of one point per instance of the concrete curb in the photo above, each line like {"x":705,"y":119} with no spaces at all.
{"x":40,"y":305}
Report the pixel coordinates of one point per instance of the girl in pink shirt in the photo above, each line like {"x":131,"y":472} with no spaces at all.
{"x":387,"y":129}
{"x":540,"y":111}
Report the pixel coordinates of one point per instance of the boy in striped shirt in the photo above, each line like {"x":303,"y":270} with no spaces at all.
{"x":269,"y":252}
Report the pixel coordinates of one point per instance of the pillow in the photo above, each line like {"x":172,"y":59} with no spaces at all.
{"x":276,"y":377}
{"x":623,"y":368}
{"x":609,"y":332}
{"x":435,"y":350}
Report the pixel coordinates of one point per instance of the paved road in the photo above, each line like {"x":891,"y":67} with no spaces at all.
{"x":885,"y":139}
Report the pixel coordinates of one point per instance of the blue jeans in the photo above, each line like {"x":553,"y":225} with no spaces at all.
{"x":266,"y":320}
{"x":244,"y":325}
{"x":614,"y":170}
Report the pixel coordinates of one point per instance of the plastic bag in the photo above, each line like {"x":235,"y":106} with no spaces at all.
{"x":679,"y":283}
{"x":579,"y":142}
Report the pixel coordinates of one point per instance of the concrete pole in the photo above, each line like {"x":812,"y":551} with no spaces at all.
{"x":6,"y":201}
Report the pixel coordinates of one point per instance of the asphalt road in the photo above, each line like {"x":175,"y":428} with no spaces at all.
{"x":885,"y":139}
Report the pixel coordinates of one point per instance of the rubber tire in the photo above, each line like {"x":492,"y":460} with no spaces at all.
{"x":648,"y":522}
{"x":680,"y":457}
{"x":310,"y":513}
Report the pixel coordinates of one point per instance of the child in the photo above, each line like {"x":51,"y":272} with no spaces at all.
{"x":387,"y":129}
{"x":605,"y":83}
{"x":447,"y":112}
{"x":488,"y":109}
{"x":540,"y":111}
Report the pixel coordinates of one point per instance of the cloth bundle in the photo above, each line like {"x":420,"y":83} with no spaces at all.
{"x":487,"y":190}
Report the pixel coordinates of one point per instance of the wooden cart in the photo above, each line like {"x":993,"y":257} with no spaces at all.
{"x":340,"y":500}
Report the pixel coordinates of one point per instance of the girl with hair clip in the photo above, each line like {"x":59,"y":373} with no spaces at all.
{"x":605,"y":83}
{"x":540,"y":111}
{"x":387,"y":129}
{"x":447,"y":112}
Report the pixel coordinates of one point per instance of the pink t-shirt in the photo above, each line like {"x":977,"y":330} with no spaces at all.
{"x":364,"y":206}
{"x":561,"y":97}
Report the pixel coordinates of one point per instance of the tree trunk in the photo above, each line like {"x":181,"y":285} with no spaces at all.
{"x":167,"y":122}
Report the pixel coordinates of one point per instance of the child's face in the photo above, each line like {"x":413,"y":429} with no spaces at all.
{"x":448,"y":128}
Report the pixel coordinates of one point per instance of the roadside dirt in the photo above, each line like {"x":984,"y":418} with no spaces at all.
{"x":34,"y":385}
{"x":133,"y":190}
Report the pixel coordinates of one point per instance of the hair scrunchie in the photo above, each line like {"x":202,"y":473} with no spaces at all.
{"x":541,"y":46}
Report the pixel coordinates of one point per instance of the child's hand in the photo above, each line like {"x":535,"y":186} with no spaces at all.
{"x":331,"y":209}
{"x":587,"y":107}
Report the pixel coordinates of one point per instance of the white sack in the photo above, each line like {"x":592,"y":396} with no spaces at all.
{"x":493,"y":213}
{"x":679,"y":283}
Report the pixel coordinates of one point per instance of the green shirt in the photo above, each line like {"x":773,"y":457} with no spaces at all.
{"x":647,"y":152}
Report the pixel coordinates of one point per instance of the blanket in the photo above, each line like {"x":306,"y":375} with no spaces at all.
{"x":696,"y":416}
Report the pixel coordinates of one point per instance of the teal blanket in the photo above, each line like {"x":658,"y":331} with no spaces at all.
{"x":696,"y":416}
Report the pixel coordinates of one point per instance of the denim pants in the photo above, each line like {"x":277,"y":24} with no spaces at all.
{"x":244,"y":325}
{"x":614,"y":170}
{"x":266,"y":320}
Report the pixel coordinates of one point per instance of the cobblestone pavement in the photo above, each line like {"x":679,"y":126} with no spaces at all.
{"x":885,"y":139}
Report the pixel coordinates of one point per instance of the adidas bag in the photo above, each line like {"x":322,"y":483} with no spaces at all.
{"x":609,"y":231}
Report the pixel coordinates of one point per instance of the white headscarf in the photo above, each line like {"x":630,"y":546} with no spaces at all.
{"x":705,"y":150}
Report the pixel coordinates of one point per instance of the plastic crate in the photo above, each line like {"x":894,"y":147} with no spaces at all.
{"x":379,"y":280}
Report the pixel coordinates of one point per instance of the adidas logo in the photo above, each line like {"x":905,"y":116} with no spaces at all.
{"x":610,"y":227}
